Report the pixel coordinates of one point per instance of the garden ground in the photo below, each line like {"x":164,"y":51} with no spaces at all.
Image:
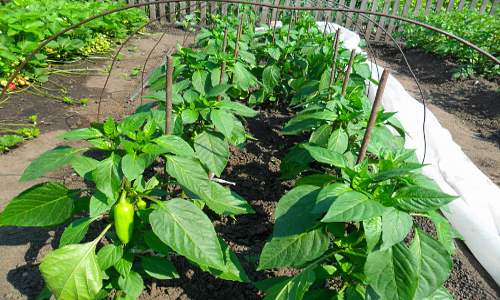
{"x":466,"y":108}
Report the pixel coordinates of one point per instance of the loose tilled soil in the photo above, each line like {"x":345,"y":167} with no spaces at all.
{"x":254,"y":169}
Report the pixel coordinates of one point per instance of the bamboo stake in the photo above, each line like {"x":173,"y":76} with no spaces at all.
{"x":333,"y":72}
{"x":168,"y":96}
{"x":348,"y":72}
{"x":373,"y":116}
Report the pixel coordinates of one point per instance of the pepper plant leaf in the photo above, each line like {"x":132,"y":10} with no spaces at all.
{"x":353,"y":206}
{"x":418,"y":199}
{"x":45,"y":204}
{"x":212,"y":150}
{"x":188,"y":231}
{"x":49,"y":161}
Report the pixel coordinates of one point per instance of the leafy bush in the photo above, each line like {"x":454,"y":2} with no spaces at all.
{"x":482,"y":30}
{"x":343,"y":221}
{"x":25,"y":23}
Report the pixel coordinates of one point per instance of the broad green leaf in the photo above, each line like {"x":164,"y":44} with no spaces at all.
{"x":353,"y":206}
{"x":155,"y":243}
{"x":132,"y":123}
{"x":124,"y":264}
{"x":271,"y":77}
{"x":174,"y":144}
{"x":133,"y":165}
{"x":199,"y":81}
{"x":159,"y":267}
{"x":234,"y":270}
{"x":293,"y":213}
{"x":418,"y":199}
{"x":189,"y":116}
{"x":440,"y":294}
{"x":212,"y":150}
{"x":72,"y":272}
{"x":218,"y":90}
{"x":373,"y":231}
{"x":242,"y":77}
{"x":320,"y":135}
{"x":132,"y":284}
{"x":75,"y":232}
{"x":295,"y":250}
{"x":81,"y":134}
{"x":83,"y":164}
{"x":307,"y":121}
{"x":445,"y":233}
{"x":392,"y":273}
{"x":328,"y":195}
{"x":220,"y":199}
{"x":433,"y":264}
{"x":383,"y":140}
{"x":362,"y":70}
{"x":109,"y":255}
{"x":44,"y":204}
{"x":188,"y":231}
{"x":223,"y":122}
{"x":109,"y":126}
{"x":295,"y":161}
{"x":99,"y":204}
{"x":186,"y":170}
{"x":106,"y":176}
{"x":238,"y":108}
{"x":325,"y":156}
{"x":315,"y":179}
{"x":49,"y":161}
{"x":293,"y":288}
{"x":396,"y":225}
{"x":338,"y":141}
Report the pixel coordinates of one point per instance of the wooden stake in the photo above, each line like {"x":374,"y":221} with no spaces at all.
{"x":348,"y":72}
{"x":373,"y":116}
{"x":223,"y":65}
{"x":168,"y":96}
{"x":333,"y":72}
{"x":274,"y":26}
{"x":238,"y":36}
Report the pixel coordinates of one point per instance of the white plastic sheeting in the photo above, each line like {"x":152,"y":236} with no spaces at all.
{"x":476,"y":213}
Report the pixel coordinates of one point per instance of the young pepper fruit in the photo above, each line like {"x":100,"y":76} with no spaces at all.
{"x":141,"y":204}
{"x":123,"y":214}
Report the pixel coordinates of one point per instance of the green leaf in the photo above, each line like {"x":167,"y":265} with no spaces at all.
{"x":293,"y":213}
{"x":106,"y":176}
{"x":186,"y":170}
{"x":75,"y":232}
{"x":109,"y":126}
{"x":433,"y":264}
{"x":373,"y":230}
{"x":133,"y":165}
{"x":307,"y":121}
{"x":200,"y":82}
{"x":320,"y":135}
{"x":383,"y":140}
{"x":242,"y":77}
{"x":353,"y":206}
{"x":445,"y":233}
{"x":218,"y":90}
{"x":440,"y":294}
{"x":189,"y":116}
{"x":83,"y":165}
{"x":44,"y":204}
{"x":174,"y":144}
{"x":362,"y":70}
{"x":234,"y":270}
{"x":315,"y":179}
{"x":325,"y":156}
{"x":418,"y":199}
{"x":391,"y":272}
{"x":223,"y":121}
{"x":109,"y":255}
{"x":212,"y":150}
{"x":295,"y":250}
{"x":396,"y":225}
{"x":328,"y":195}
{"x":293,"y":288}
{"x":49,"y":161}
{"x":339,"y":141}
{"x":132,"y":284}
{"x":81,"y":134}
{"x":238,"y":108}
{"x":159,"y":267}
{"x":188,"y":231}
{"x":99,"y":204}
{"x":72,"y":272}
{"x":271,"y":77}
{"x":220,"y":199}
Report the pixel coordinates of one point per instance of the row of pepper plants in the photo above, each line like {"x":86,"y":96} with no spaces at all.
{"x":342,"y":221}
